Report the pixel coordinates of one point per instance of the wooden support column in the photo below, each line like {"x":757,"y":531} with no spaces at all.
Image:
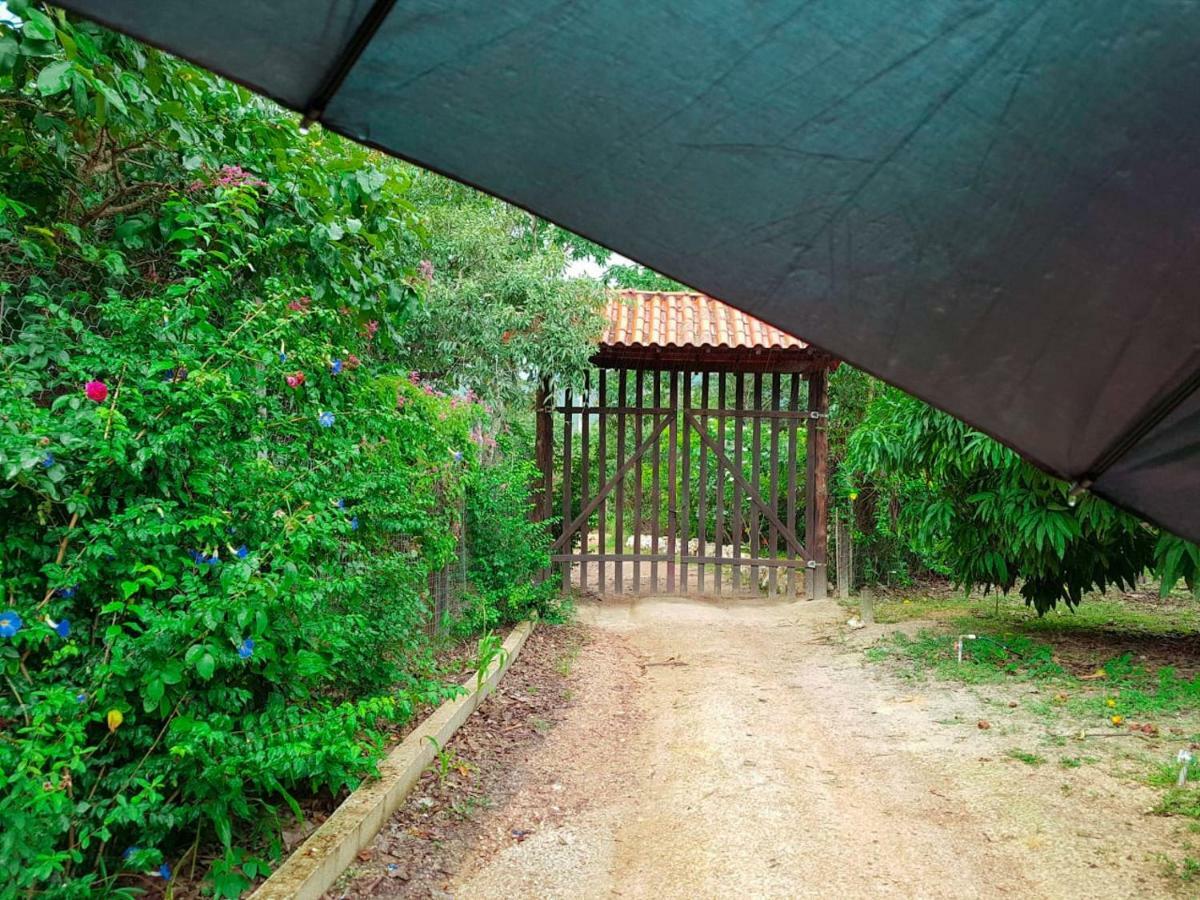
{"x":816,"y":501}
{"x":544,"y":453}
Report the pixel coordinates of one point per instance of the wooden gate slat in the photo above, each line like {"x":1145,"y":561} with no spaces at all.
{"x":719,"y":472}
{"x":684,"y":517}
{"x":566,"y":491}
{"x":773,"y":499}
{"x":702,"y":510}
{"x":602,"y":471}
{"x":755,"y":480}
{"x":585,"y":474}
{"x":655,"y":494}
{"x":619,"y":517}
{"x":739,"y":400}
{"x":639,"y":388}
{"x":793,"y":433}
{"x":672,"y":479}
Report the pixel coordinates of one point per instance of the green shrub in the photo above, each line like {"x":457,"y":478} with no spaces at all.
{"x":222,"y":493}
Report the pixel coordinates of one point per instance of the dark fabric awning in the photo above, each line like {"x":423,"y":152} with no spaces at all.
{"x":995,"y":206}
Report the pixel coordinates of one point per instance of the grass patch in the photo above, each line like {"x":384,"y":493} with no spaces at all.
{"x":565,"y":664}
{"x":1030,"y":759}
{"x":1109,"y":668}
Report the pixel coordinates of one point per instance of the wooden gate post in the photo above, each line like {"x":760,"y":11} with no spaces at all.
{"x":816,"y":502}
{"x":845,"y":564}
{"x":544,"y":453}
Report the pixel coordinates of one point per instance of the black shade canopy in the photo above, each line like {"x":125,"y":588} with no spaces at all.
{"x":993,"y":205}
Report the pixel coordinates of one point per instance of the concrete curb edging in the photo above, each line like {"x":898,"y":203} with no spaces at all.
{"x":329,"y":850}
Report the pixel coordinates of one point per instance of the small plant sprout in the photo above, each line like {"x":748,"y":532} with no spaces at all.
{"x":1184,"y":758}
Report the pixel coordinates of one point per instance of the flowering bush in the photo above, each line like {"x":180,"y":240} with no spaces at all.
{"x":222,"y":495}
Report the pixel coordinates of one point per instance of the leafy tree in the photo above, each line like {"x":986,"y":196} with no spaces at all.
{"x":993,"y":520}
{"x":638,"y":277}
{"x":501,"y":311}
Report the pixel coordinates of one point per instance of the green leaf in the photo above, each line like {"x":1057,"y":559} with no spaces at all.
{"x":112,"y":96}
{"x":38,"y":26}
{"x":206,"y":665}
{"x":54,"y":78}
{"x":9,"y":52}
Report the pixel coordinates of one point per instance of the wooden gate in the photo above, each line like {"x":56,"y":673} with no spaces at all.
{"x":686,"y":482}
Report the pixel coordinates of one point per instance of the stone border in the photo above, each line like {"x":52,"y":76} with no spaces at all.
{"x":316,"y":864}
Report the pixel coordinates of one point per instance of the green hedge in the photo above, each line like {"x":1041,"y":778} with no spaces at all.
{"x":221,"y":491}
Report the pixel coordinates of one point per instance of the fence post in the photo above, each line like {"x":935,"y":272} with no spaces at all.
{"x":544,"y":453}
{"x":816,"y":499}
{"x":845,"y":564}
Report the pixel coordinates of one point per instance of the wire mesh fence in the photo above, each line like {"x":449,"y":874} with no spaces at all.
{"x":448,"y":586}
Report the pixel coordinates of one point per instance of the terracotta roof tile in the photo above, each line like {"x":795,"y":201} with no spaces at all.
{"x":679,"y":319}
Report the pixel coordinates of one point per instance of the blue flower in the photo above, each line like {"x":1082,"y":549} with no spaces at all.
{"x":10,"y":623}
{"x":341,"y":504}
{"x":47,"y":460}
{"x":354,"y":523}
{"x":197,"y":556}
{"x":62,"y":628}
{"x":214,"y":560}
{"x":246,"y":648}
{"x":242,"y":552}
{"x":326,"y":419}
{"x":67,"y":592}
{"x":282,"y":356}
{"x":81,"y":698}
{"x":336,"y":367}
{"x":458,"y":456}
{"x":164,"y":872}
{"x":129,"y":851}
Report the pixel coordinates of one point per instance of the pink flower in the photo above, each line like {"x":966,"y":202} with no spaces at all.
{"x":371,"y":328}
{"x":300,"y":304}
{"x":353,"y":361}
{"x":295,"y":379}
{"x":96,"y":391}
{"x":236,"y":176}
{"x":426,"y":268}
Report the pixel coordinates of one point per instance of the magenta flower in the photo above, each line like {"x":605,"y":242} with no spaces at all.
{"x":426,"y":268}
{"x":295,"y":380}
{"x":96,"y":391}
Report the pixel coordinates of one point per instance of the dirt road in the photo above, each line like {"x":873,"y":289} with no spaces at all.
{"x":739,"y":748}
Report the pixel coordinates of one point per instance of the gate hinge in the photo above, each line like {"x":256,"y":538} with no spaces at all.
{"x":814,"y":414}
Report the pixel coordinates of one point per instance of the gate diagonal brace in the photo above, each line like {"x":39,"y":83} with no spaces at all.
{"x":755,"y":498}
{"x":608,"y":488}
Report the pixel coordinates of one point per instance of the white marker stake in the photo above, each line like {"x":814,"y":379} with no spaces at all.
{"x":959,"y":643}
{"x":1184,"y":758}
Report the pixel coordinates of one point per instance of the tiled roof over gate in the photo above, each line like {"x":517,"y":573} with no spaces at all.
{"x":652,"y":319}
